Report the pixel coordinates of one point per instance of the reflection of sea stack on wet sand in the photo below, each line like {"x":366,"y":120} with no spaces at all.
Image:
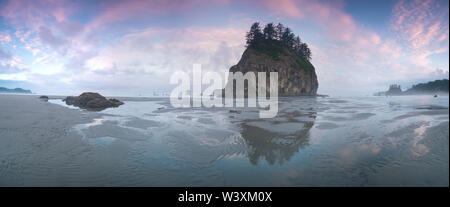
{"x":276,"y":142}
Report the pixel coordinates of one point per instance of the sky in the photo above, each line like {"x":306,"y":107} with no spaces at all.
{"x":130,"y":48}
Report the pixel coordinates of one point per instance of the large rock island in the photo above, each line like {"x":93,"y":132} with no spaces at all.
{"x":278,"y":50}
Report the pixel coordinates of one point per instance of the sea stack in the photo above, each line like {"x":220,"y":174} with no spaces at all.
{"x":296,"y":77}
{"x":280,"y":52}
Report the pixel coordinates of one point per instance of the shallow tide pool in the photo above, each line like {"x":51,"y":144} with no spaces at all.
{"x":333,"y":141}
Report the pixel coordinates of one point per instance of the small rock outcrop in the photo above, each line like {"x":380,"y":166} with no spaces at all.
{"x":92,"y":101}
{"x":394,"y":90}
{"x":44,"y":98}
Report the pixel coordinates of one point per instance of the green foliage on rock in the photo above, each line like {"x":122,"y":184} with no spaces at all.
{"x":273,"y":40}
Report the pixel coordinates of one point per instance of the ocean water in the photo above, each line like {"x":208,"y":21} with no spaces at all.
{"x":332,"y":141}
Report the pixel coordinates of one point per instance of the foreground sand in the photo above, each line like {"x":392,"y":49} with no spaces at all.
{"x":35,"y":134}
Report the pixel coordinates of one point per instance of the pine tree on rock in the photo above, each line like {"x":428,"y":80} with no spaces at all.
{"x":273,"y":35}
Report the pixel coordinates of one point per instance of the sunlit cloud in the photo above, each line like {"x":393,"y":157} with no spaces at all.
{"x":32,"y":14}
{"x":138,"y":54}
{"x":422,"y":26}
{"x":5,"y":38}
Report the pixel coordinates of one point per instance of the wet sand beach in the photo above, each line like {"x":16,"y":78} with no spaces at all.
{"x":332,"y":141}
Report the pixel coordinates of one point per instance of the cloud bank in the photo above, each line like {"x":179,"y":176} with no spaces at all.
{"x":132,"y":47}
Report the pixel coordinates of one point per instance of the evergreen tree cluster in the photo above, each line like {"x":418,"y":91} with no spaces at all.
{"x":277,"y":34}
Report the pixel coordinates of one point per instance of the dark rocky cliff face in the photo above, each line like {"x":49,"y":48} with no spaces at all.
{"x":296,"y":76}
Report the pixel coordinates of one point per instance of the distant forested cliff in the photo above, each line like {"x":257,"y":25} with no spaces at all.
{"x":437,"y":86}
{"x":432,"y":87}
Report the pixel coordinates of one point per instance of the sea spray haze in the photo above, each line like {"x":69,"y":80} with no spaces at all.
{"x":234,"y":94}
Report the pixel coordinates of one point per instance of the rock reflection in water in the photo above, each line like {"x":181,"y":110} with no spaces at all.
{"x":278,"y":140}
{"x":272,"y":146}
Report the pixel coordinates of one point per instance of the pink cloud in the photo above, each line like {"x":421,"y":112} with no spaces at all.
{"x":135,"y":58}
{"x":330,"y":16}
{"x":60,"y":14}
{"x":21,"y":35}
{"x":119,"y":11}
{"x":363,"y":55}
{"x":284,"y":7}
{"x":33,"y":14}
{"x":421,"y":25}
{"x":5,"y":38}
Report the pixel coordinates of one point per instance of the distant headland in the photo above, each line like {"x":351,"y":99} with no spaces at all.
{"x":429,"y":88}
{"x":15,"y":90}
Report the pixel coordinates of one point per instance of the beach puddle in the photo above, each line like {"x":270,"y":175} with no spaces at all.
{"x":102,"y":141}
{"x":354,"y":139}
